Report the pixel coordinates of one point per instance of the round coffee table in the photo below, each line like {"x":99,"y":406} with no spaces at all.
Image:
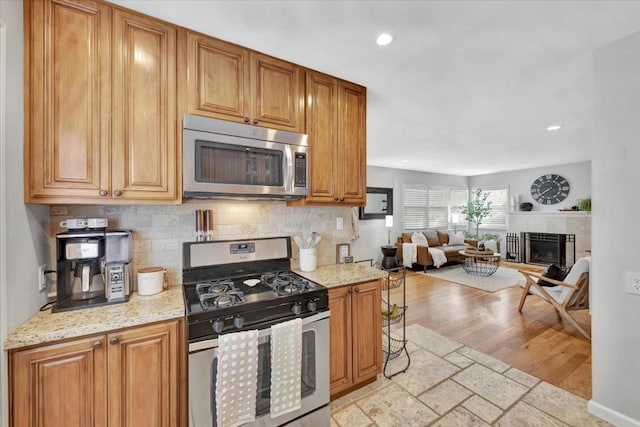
{"x":480,"y":264}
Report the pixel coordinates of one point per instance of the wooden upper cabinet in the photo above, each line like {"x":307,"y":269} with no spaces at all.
{"x":277,"y":93}
{"x":229,"y":82}
{"x":145,"y":149}
{"x":352,"y":143}
{"x":67,"y":90}
{"x":100,"y":105}
{"x":218,"y":77}
{"x":60,"y":385}
{"x":322,"y":128}
{"x":336,"y":124}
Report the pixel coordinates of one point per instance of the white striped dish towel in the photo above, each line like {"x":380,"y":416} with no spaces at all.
{"x":237,"y":378}
{"x":286,"y":364}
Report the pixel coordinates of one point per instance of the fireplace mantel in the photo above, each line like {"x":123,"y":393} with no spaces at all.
{"x":561,"y":222}
{"x":552,"y":213}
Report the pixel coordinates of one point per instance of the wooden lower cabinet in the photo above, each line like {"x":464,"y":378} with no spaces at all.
{"x":355,"y":336}
{"x":127,"y":378}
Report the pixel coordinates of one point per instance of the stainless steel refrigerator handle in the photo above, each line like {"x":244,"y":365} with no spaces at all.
{"x":204,"y":345}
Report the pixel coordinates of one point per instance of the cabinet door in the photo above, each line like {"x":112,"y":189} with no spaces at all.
{"x":367,"y":332}
{"x":145,"y":158}
{"x":352,"y":143}
{"x":143,"y":376}
{"x":67,"y":105}
{"x":61,"y":385}
{"x":277,"y":93}
{"x":218,"y":78}
{"x":322,"y":127}
{"x":340,"y":367}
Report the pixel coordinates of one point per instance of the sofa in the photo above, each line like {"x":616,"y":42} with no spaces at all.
{"x":435,"y":239}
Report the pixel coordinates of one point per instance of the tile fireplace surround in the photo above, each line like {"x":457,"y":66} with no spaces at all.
{"x":578,"y":223}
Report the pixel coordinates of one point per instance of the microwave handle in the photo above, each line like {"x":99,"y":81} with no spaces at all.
{"x":288,"y":168}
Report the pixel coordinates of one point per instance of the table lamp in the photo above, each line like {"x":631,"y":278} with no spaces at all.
{"x":388,"y":222}
{"x":455,"y":218}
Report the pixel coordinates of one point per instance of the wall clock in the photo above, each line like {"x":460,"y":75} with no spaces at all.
{"x":550,"y":189}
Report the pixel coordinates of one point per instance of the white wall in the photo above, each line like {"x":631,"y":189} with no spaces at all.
{"x":24,"y":227}
{"x":616,"y":151}
{"x":578,"y":175}
{"x":373,"y":233}
{"x":519,"y":182}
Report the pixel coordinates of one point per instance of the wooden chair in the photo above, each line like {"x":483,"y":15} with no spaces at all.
{"x":570,"y":294}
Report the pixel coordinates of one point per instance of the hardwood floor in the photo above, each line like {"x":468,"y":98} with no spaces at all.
{"x":536,"y":341}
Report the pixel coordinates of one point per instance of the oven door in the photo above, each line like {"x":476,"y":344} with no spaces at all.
{"x":314,"y":378}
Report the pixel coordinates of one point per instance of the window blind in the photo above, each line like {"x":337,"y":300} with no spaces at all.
{"x":438,"y":203}
{"x":414,"y":213}
{"x":457,"y":198}
{"x":499,"y":198}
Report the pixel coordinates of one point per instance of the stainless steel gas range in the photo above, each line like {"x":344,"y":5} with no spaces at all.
{"x":232,"y":286}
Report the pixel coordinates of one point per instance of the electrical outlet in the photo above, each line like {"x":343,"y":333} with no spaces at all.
{"x":42,"y":278}
{"x":632,"y":282}
{"x":339,"y":223}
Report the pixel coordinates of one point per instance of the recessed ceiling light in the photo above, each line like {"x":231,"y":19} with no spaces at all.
{"x":554,"y":127}
{"x":404,"y":161}
{"x":384,"y":39}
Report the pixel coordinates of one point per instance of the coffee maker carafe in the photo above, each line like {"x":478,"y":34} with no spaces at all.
{"x":88,"y":282}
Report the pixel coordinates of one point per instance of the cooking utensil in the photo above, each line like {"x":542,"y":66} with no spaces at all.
{"x":298,"y":241}
{"x":315,"y":239}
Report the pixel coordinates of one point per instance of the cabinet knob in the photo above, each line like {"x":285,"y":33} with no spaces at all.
{"x":96,"y":345}
{"x":336,"y":199}
{"x":342,"y":199}
{"x":255,"y":121}
{"x":117,"y":193}
{"x":357,"y":290}
{"x":350,"y":290}
{"x":114,"y":341}
{"x":103,"y":193}
{"x":246,"y":119}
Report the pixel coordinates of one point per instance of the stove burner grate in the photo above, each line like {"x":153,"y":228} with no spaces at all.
{"x":285,"y":283}
{"x":218,"y":294}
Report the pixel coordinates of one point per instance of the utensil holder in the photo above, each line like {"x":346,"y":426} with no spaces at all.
{"x":308,"y":259}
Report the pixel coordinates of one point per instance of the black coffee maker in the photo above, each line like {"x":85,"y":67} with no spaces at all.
{"x":81,"y":266}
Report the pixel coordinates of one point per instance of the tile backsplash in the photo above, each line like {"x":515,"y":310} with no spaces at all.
{"x":159,"y":231}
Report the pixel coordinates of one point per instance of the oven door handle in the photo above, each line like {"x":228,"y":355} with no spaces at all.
{"x":207,"y":344}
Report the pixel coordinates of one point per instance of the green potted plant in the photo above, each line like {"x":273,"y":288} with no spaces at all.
{"x":584,"y":204}
{"x":478,"y":209}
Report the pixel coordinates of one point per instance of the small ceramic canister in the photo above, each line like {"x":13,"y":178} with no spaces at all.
{"x":151,"y":280}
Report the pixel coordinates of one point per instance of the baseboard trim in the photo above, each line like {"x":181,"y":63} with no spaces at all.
{"x":611,"y":416}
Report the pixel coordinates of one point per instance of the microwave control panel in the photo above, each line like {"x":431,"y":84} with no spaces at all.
{"x":300,"y":169}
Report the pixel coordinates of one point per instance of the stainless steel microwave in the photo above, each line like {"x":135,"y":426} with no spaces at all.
{"x":232,"y":160}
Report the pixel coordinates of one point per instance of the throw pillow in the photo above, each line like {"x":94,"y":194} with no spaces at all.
{"x":443,"y":238}
{"x":432,"y":238}
{"x":553,"y":272}
{"x":456,"y":238}
{"x":419,"y":239}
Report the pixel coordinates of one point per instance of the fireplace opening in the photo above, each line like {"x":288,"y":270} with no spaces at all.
{"x":549,"y":248}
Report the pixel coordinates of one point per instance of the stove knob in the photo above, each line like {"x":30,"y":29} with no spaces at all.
{"x":296,"y":309}
{"x":311,"y":305}
{"x":238,"y":322}
{"x":218,"y":325}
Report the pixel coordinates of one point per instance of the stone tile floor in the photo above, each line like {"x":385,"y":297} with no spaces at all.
{"x":449,"y":384}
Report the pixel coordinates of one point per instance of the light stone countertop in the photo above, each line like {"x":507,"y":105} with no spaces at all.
{"x":45,"y":326}
{"x":336,"y":275}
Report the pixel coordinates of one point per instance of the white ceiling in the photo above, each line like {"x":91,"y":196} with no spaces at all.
{"x":466,"y":88}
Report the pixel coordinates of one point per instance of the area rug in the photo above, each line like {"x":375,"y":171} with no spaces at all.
{"x":501,"y":279}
